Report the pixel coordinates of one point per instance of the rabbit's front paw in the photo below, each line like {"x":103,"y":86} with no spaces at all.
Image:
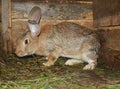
{"x":46,"y":58}
{"x":47,"y":64}
{"x":90,"y":66}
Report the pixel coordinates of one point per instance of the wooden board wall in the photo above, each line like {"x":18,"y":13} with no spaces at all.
{"x":55,"y":1}
{"x":106,"y":12}
{"x":6,"y":26}
{"x":52,"y":13}
{"x":106,"y":17}
{"x":0,"y":10}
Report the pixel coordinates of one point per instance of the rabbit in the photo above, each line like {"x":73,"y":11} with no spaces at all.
{"x":66,"y":39}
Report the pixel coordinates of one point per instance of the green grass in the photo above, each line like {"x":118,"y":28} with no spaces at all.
{"x":49,"y":82}
{"x":29,"y":73}
{"x":110,"y":87}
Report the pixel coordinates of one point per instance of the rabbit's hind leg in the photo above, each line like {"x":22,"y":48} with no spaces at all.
{"x":71,"y":62}
{"x":91,"y":58}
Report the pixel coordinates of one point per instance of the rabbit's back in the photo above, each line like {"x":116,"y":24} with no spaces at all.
{"x":69,"y":37}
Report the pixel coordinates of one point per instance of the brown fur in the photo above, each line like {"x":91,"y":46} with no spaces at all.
{"x":60,"y":40}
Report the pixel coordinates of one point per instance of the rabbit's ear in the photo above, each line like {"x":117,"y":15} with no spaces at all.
{"x":34,"y":20}
{"x":35,"y":14}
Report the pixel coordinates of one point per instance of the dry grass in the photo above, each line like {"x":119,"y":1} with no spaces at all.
{"x":29,"y":73}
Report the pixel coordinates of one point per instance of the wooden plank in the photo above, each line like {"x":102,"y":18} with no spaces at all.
{"x":53,"y":11}
{"x":0,"y":10}
{"x":6,"y":23}
{"x":10,"y":44}
{"x":5,"y":6}
{"x":57,"y":1}
{"x":106,"y":13}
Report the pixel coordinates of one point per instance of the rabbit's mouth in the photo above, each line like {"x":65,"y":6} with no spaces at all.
{"x":20,"y":53}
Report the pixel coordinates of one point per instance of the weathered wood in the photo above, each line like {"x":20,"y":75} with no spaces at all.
{"x":6,"y":23}
{"x":5,"y":16}
{"x":0,"y":10}
{"x":10,"y":41}
{"x":106,"y":13}
{"x":57,"y":1}
{"x":53,"y":11}
{"x":110,"y":47}
{"x":10,"y":44}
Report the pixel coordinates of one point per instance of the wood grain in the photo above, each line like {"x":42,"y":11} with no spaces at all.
{"x":6,"y":24}
{"x":106,"y":13}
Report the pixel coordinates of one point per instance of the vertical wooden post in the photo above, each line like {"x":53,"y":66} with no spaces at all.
{"x":10,"y":46}
{"x":6,"y":24}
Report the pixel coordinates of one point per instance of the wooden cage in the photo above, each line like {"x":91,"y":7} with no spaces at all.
{"x":100,"y":15}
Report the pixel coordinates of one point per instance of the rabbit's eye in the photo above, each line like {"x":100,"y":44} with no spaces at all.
{"x":26,"y":42}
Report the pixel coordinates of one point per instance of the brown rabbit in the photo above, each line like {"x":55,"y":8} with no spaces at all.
{"x":65,"y":39}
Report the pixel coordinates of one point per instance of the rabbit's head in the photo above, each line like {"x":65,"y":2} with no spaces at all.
{"x":27,"y":43}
